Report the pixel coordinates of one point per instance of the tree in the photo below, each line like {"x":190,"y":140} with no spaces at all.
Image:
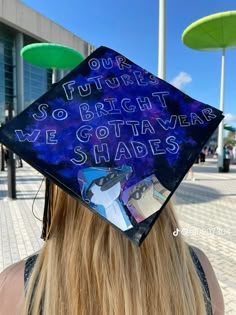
{"x":229,"y":140}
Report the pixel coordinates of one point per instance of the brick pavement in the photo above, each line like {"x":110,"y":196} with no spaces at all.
{"x":207,"y":215}
{"x":206,"y":210}
{"x":19,"y":229}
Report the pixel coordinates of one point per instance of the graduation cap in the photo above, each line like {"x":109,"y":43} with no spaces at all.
{"x":114,"y":136}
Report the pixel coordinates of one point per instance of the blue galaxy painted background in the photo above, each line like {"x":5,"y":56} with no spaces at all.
{"x":108,"y":112}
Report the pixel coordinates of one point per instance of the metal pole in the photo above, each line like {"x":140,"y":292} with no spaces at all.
{"x":54,"y":75}
{"x":2,"y":159}
{"x":162,"y":41}
{"x":11,"y":175}
{"x":221,"y":126}
{"x":11,"y":167}
{"x":2,"y":155}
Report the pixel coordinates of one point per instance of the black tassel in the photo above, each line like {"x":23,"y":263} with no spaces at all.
{"x":46,"y":212}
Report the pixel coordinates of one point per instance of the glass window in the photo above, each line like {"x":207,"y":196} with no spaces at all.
{"x":6,"y":68}
{"x":36,"y":80}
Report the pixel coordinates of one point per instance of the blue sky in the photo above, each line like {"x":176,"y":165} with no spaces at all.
{"x":131,"y":27}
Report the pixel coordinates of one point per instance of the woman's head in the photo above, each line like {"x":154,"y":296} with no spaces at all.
{"x":63,"y":208}
{"x":88,"y":267}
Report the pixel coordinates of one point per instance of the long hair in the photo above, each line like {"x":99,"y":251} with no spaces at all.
{"x":86,"y":267}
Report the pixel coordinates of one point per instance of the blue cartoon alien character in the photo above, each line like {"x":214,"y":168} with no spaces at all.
{"x":101,"y":188}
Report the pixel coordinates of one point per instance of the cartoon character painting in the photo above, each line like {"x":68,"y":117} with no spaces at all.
{"x":147,"y":197}
{"x":101,"y":188}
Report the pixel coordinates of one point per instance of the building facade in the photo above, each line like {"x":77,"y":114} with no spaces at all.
{"x":20,"y":82}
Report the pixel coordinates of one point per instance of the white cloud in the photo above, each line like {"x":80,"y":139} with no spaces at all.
{"x":181,"y":79}
{"x":229,"y":118}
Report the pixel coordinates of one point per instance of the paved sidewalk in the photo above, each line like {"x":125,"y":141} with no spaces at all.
{"x":19,"y":228}
{"x":206,"y":208}
{"x":207,"y":211}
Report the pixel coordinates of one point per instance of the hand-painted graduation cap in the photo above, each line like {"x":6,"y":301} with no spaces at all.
{"x":114,"y":136}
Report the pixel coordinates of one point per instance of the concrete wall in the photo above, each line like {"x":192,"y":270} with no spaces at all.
{"x":19,"y":16}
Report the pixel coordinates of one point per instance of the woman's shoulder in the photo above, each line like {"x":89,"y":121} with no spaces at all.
{"x":217,"y":300}
{"x":12,"y":288}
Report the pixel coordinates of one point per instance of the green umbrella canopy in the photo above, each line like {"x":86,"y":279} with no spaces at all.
{"x":50,"y":55}
{"x":212,"y":32}
{"x":229,"y":127}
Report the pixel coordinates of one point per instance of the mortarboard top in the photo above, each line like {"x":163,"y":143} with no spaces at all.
{"x":114,"y":136}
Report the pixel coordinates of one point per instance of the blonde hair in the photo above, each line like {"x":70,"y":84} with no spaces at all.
{"x":86,"y":267}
